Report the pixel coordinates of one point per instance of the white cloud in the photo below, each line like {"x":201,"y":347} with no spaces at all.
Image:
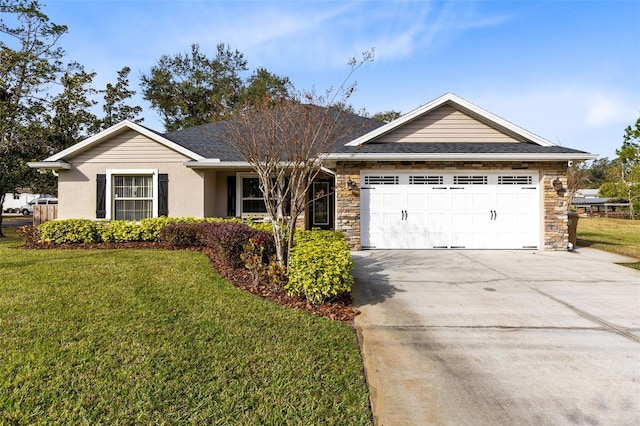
{"x":606,"y":108}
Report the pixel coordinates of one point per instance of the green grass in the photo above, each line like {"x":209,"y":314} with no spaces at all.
{"x":157,"y":337}
{"x":621,"y":236}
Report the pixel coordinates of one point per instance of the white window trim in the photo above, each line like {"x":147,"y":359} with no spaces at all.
{"x":137,"y":172}
{"x":239,"y":212}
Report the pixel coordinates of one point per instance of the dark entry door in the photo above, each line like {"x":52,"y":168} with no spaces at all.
{"x":321,"y":206}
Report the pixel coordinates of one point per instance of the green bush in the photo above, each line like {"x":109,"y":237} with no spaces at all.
{"x":69,"y":231}
{"x":120,"y":231}
{"x":319,"y":266}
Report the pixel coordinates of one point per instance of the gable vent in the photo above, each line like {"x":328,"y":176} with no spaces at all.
{"x":515,"y":180}
{"x":426,"y":180}
{"x":470,"y":180}
{"x":381,"y":180}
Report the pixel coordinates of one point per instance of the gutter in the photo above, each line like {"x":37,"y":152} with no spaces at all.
{"x":52,"y":165}
{"x":461,"y":157}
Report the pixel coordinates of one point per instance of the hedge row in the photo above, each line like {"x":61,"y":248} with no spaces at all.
{"x":73,"y":231}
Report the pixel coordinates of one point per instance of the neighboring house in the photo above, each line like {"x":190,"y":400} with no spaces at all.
{"x":587,"y":193}
{"x":13,"y":202}
{"x":587,"y":203}
{"x":447,"y":175}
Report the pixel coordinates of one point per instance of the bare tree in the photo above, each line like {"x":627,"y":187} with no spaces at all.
{"x":283,"y":139}
{"x":577,"y":177}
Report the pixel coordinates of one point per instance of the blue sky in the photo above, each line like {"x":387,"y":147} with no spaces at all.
{"x":568,"y":71}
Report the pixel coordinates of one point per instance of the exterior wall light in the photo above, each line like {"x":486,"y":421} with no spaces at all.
{"x":557,"y":185}
{"x":351,"y":185}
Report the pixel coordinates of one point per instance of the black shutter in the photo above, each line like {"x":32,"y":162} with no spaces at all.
{"x":231,"y":196}
{"x":101,"y":196}
{"x":163,"y":194}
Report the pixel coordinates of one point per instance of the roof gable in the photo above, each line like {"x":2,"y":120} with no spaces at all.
{"x":114,"y":131}
{"x":449,"y":118}
{"x":447,"y":124}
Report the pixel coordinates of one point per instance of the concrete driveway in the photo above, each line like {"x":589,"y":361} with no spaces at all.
{"x":499,"y":337}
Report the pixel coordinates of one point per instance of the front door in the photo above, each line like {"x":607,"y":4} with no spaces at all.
{"x":321,"y":204}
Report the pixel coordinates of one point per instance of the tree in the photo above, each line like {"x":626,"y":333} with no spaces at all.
{"x":386,"y":116}
{"x":191,"y":89}
{"x":597,"y":172}
{"x":577,"y":177}
{"x":70,"y":119}
{"x":283,"y":139}
{"x":624,"y":174}
{"x":263,"y":85}
{"x":30,"y":61}
{"x":114,"y":107}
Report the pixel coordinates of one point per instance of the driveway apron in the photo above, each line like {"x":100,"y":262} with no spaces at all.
{"x":499,"y":337}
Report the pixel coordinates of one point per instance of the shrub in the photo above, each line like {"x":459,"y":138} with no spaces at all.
{"x":319,"y":266}
{"x":228,"y":238}
{"x":252,"y":258}
{"x":29,"y":234}
{"x":69,"y":231}
{"x":120,"y":231}
{"x":186,"y":234}
{"x":150,"y":227}
{"x":261,"y":226}
{"x":317,"y":236}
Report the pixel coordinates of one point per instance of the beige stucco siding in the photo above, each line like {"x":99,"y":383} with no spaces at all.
{"x":446,"y":124}
{"x":129,"y":151}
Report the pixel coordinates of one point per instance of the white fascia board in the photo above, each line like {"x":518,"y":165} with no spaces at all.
{"x":449,"y":97}
{"x":51,"y":165}
{"x":213,"y":164}
{"x":464,"y":157}
{"x":114,"y":130}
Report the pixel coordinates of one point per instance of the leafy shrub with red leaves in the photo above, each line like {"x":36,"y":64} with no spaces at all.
{"x":229,"y":240}
{"x":186,"y":234}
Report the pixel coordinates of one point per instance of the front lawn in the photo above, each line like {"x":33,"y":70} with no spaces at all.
{"x":621,"y":236}
{"x":155,"y":336}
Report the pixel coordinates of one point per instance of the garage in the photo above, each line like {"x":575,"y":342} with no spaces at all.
{"x":465,"y":209}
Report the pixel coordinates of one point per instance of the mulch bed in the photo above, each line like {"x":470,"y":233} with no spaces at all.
{"x":340,"y":309}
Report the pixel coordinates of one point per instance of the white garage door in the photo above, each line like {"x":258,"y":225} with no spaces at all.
{"x":498,"y":210}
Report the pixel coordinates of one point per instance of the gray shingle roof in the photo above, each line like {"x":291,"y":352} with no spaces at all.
{"x":455,"y":148}
{"x":208,"y":141}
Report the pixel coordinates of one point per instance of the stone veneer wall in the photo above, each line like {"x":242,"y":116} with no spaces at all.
{"x":555,"y":204}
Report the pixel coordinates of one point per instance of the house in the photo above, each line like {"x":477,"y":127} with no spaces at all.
{"x":587,"y":193}
{"x":447,"y":175}
{"x":13,"y":201}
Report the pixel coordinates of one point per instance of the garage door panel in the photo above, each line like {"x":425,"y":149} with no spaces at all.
{"x":418,"y":202}
{"x":438,"y":200}
{"x":472,"y":211}
{"x":460,"y":199}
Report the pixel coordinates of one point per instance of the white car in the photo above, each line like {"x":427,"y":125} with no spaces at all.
{"x":27,"y":209}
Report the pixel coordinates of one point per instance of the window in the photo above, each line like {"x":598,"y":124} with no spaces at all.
{"x":426,"y":180}
{"x":515,"y":180}
{"x":131,"y":194}
{"x":252,"y":200}
{"x":470,"y":180}
{"x":132,"y":197}
{"x":381,"y":180}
